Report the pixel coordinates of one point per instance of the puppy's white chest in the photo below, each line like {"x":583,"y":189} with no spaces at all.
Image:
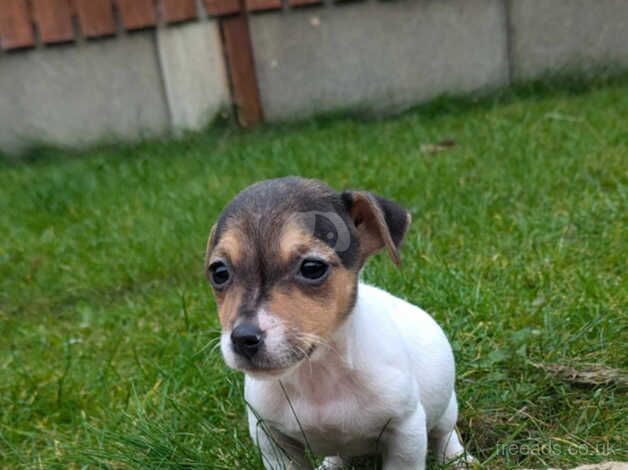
{"x":348,"y":422}
{"x":332,"y":409}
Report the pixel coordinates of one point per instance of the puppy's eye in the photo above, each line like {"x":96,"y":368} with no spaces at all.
{"x":219,"y":274}
{"x":313,"y":269}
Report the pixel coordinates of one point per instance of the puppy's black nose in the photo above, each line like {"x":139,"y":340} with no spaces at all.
{"x":247,"y":339}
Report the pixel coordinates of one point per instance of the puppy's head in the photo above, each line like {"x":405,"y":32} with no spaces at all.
{"x":283,"y":261}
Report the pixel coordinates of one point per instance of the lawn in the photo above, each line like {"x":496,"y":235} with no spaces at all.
{"x":108,"y":331}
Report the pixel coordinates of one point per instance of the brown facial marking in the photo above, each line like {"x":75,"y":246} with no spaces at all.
{"x":310,"y":310}
{"x":316,"y":311}
{"x":295,"y":240}
{"x":230,"y":247}
{"x":228,"y":305}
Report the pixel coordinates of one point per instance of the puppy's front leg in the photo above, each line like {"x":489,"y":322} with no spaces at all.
{"x":278,"y":452}
{"x":405,"y":445}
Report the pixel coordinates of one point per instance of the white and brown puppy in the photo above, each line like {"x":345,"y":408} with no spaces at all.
{"x":333,"y":366}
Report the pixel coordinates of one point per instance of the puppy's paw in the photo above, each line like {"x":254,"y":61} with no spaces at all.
{"x":463,"y":461}
{"x":332,"y":463}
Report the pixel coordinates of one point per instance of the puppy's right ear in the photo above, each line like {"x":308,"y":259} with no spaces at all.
{"x":379,"y":222}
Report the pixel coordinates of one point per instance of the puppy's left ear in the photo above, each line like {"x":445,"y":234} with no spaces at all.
{"x":379,"y":222}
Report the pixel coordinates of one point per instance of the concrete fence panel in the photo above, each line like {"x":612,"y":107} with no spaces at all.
{"x":194,"y":74}
{"x":83,"y":94}
{"x":377,"y":56}
{"x":549,"y":36}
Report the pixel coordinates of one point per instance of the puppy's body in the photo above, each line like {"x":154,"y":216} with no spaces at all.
{"x":333,"y":366}
{"x":386,"y":360}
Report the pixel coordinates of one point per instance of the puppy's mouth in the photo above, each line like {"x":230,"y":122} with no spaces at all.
{"x":268,"y":363}
{"x":264,"y":363}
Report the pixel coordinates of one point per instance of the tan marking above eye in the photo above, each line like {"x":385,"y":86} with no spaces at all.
{"x":294,"y":242}
{"x":230,"y":246}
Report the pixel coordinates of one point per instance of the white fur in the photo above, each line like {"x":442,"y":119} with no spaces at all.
{"x":380,"y":385}
{"x":278,"y":349}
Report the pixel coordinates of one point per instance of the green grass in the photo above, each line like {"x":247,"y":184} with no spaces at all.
{"x":518,"y":248}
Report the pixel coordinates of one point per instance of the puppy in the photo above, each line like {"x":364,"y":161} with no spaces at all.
{"x":333,"y":367}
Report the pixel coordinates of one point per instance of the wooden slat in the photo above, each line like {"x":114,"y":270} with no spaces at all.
{"x":16,"y":29}
{"x":301,"y":3}
{"x":95,"y":17}
{"x":136,"y":14}
{"x":258,"y":5}
{"x":239,"y":52}
{"x":174,"y":11}
{"x":222,"y":7}
{"x":54,"y":20}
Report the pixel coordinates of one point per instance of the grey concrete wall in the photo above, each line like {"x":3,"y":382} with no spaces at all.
{"x":75,"y":95}
{"x":379,"y":56}
{"x":194,"y":74}
{"x":567,"y":35}
{"x":138,"y":85}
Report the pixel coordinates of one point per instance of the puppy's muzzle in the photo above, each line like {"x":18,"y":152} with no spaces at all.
{"x":247,"y":340}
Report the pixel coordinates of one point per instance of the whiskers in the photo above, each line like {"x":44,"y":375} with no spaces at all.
{"x":313,"y":342}
{"x":305,"y":355}
{"x":311,"y":338}
{"x":316,"y":341}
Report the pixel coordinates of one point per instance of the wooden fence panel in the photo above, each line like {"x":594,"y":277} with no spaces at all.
{"x":237,"y":43}
{"x":258,"y":5}
{"x":174,"y":11}
{"x":95,"y":17}
{"x":137,"y":14}
{"x":222,"y":7}
{"x":300,"y":3}
{"x":15,"y":26}
{"x":54,"y":20}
